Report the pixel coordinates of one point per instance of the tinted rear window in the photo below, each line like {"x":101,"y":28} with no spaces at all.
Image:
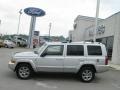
{"x":94,"y":50}
{"x":75,"y":50}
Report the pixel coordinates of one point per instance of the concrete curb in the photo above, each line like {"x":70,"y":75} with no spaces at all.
{"x":115,"y":66}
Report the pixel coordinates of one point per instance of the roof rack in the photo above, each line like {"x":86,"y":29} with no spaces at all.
{"x":68,"y":41}
{"x":64,"y":42}
{"x":85,"y":42}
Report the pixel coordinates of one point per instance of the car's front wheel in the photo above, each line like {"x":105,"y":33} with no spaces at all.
{"x":86,"y":74}
{"x":24,"y":71}
{"x":6,"y":46}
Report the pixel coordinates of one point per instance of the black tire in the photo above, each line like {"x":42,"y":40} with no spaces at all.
{"x":18,"y":44}
{"x":6,"y":46}
{"x":12,"y":47}
{"x":86,"y":74}
{"x":24,"y":71}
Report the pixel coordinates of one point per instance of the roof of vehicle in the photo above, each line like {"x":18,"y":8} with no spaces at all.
{"x":83,"y":42}
{"x":8,"y":40}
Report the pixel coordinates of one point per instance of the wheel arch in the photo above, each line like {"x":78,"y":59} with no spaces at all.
{"x":87,"y":65}
{"x":28,"y":63}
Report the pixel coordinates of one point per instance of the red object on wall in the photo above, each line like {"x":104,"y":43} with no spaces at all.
{"x":35,"y":41}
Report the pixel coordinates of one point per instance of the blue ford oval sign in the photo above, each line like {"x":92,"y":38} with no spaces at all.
{"x":32,"y":11}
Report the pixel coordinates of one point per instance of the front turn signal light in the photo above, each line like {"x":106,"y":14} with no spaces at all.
{"x":12,"y":61}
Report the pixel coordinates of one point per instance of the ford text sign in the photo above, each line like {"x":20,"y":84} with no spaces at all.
{"x":32,"y":11}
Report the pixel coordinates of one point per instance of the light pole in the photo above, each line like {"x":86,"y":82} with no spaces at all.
{"x":96,"y":20}
{"x":31,"y":32}
{"x":49,"y":30}
{"x":20,"y":13}
{"x":0,"y":29}
{"x":0,"y":23}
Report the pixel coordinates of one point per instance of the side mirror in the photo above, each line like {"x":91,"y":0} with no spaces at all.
{"x":43,"y":55}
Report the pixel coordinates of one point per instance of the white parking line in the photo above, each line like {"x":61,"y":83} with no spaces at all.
{"x":45,"y":85}
{"x":116,"y":85}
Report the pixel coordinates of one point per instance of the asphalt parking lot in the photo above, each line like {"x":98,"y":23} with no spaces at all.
{"x":8,"y":81}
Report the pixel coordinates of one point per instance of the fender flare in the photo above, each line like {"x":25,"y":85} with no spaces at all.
{"x":21,"y":61}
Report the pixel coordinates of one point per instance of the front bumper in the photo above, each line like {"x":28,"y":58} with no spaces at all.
{"x":11,"y":46}
{"x":102,"y":68}
{"x":11,"y":65}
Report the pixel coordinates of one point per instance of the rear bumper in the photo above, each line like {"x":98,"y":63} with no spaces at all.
{"x":102,"y":68}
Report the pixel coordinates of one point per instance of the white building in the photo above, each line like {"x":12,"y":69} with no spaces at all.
{"x":108,"y":32}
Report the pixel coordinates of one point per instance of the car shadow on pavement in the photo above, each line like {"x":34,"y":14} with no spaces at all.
{"x":60,"y":77}
{"x":10,"y":75}
{"x":53,"y":76}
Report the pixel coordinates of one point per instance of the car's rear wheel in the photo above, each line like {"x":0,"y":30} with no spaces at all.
{"x":24,"y":71}
{"x":86,"y":74}
{"x":11,"y":47}
{"x":18,"y":44}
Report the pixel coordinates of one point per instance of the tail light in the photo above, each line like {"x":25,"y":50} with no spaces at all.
{"x":106,"y":60}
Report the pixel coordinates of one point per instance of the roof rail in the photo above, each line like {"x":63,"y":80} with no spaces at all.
{"x":64,"y":42}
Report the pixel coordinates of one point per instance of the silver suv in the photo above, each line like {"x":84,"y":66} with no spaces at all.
{"x":81,"y":58}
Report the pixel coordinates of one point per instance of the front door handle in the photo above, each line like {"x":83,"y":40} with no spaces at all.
{"x":98,"y":60}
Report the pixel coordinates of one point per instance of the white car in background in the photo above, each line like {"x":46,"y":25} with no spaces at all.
{"x":9,"y":44}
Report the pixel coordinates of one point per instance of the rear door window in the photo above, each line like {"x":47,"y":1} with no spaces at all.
{"x":94,"y":50}
{"x":75,"y":50}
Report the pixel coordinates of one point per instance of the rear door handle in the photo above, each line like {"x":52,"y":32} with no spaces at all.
{"x":97,"y":60}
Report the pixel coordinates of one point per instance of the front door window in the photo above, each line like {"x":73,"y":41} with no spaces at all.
{"x":54,"y":50}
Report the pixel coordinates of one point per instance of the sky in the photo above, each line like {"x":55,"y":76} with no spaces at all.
{"x":61,"y":13}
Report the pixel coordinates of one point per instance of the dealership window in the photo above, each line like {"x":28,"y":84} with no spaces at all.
{"x":94,"y":50}
{"x":75,"y":50}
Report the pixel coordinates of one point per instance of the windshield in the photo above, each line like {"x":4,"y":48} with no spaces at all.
{"x":40,"y":48}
